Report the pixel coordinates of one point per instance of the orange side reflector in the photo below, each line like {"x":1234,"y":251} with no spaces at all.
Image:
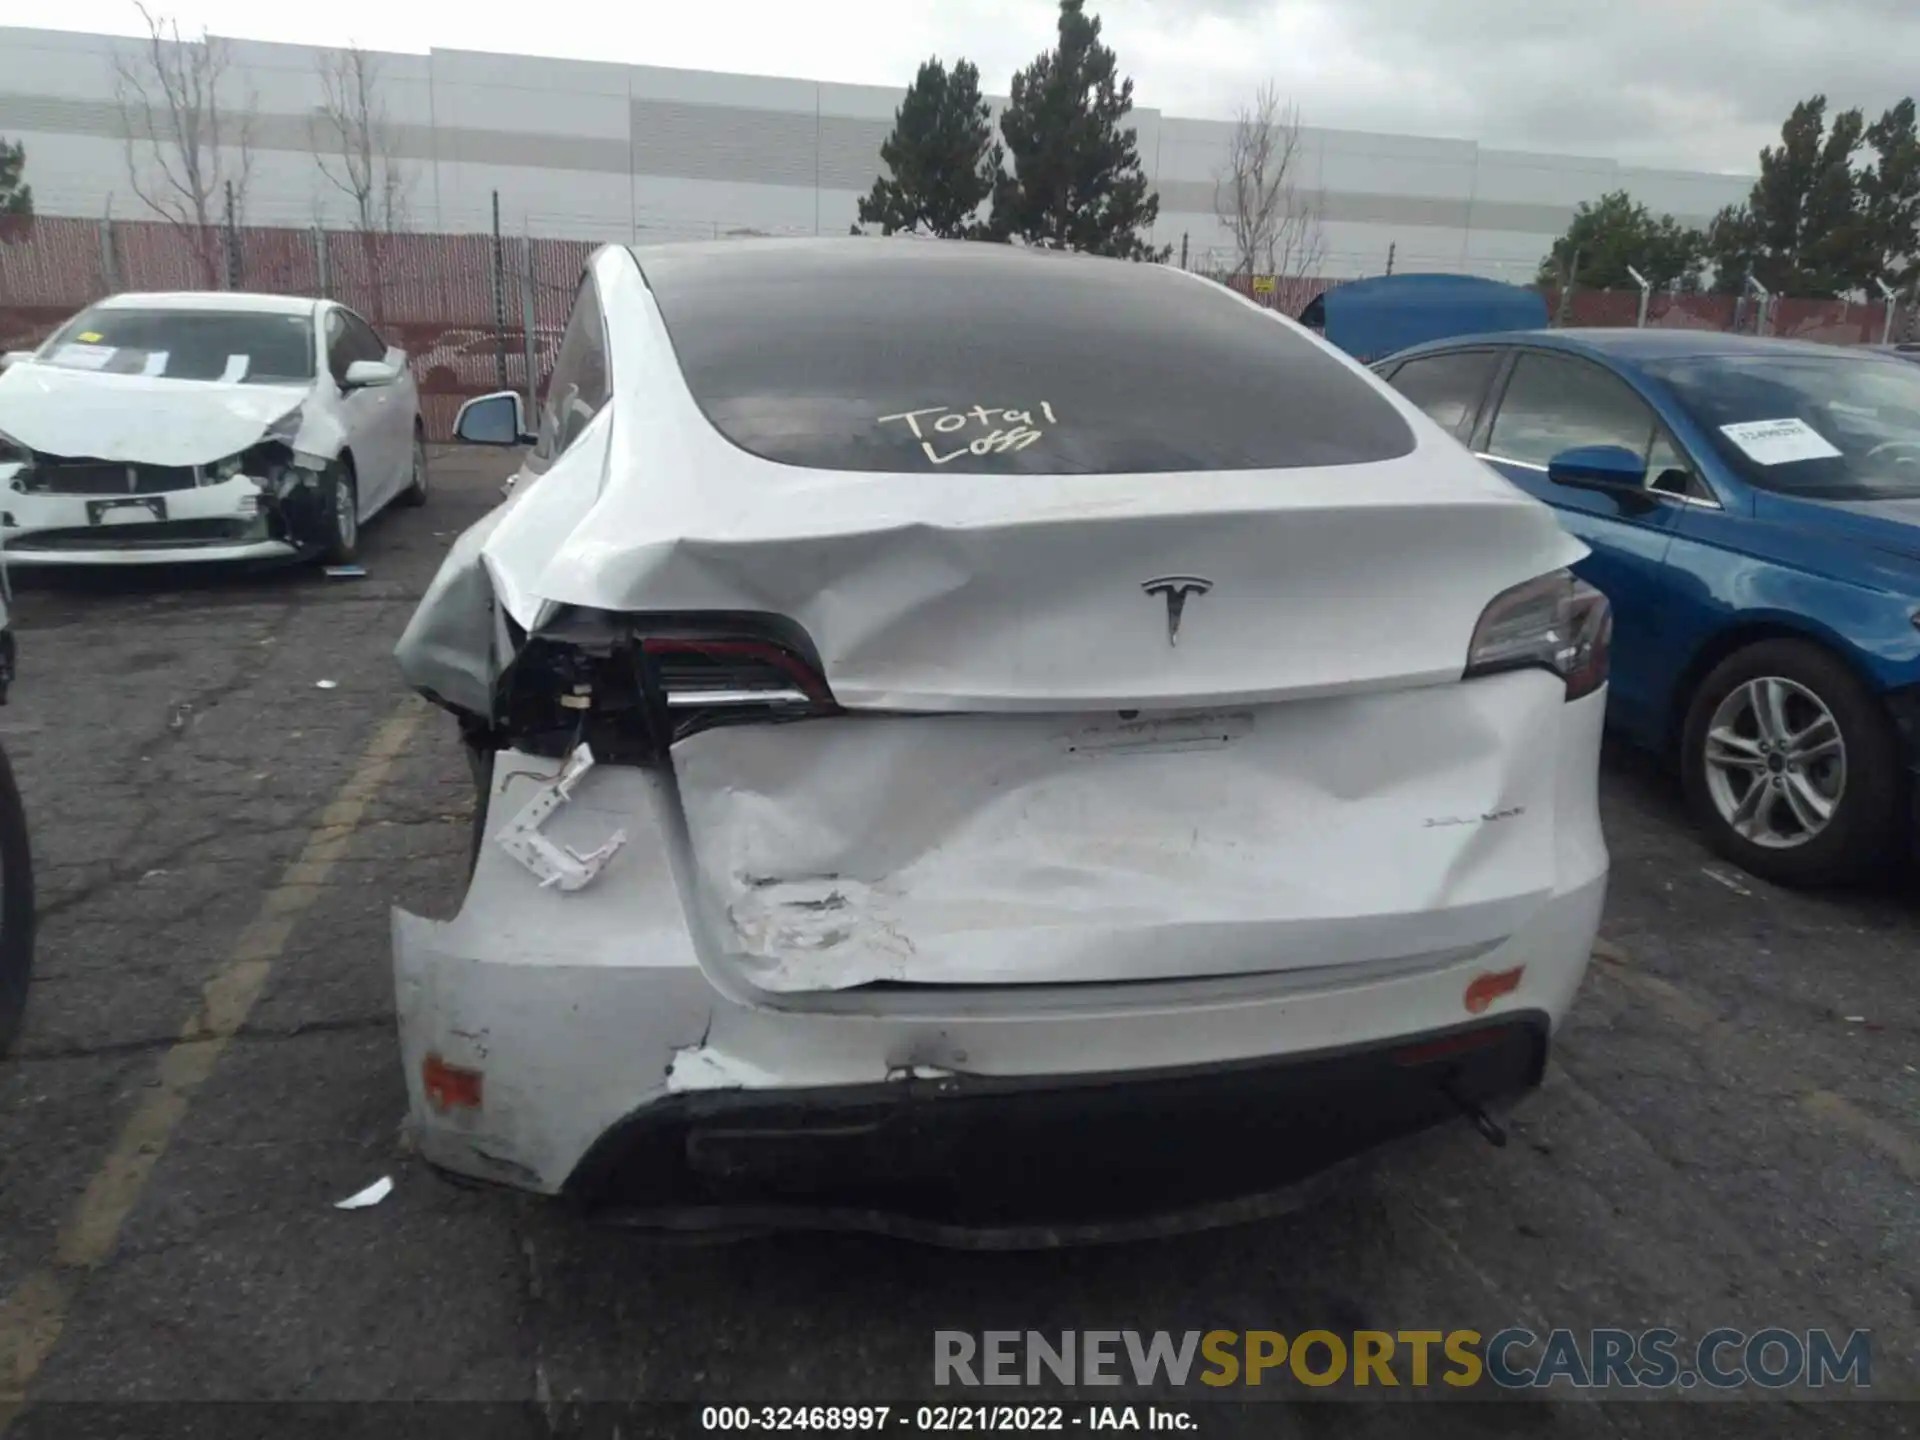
{"x":1488,"y":988}
{"x":449,"y":1087}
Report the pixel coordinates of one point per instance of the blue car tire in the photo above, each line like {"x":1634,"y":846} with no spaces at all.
{"x":1792,"y":766}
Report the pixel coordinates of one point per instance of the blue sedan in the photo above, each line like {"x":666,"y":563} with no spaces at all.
{"x":1753,"y":507}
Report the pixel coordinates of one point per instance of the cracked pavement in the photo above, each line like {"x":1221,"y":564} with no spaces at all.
{"x":1720,"y":1141}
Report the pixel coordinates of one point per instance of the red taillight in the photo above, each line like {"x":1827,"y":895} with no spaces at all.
{"x":1556,"y":622}
{"x":703,"y":673}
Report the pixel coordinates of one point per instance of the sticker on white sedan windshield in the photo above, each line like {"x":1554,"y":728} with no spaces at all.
{"x":1779,"y":442}
{"x":977,"y":430}
{"x":84,"y":357}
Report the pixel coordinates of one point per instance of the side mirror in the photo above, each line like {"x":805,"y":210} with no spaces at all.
{"x":363,"y":374}
{"x":496,"y":419}
{"x":1611,"y":469}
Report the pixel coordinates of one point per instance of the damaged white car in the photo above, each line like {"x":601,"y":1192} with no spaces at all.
{"x":948,"y":711}
{"x":170,"y":427}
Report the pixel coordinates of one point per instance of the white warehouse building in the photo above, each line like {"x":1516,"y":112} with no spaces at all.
{"x":591,"y":151}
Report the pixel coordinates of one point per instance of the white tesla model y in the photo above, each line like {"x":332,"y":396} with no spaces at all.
{"x":949,"y":711}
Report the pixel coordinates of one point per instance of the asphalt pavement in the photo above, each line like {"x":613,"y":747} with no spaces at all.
{"x":228,"y":788}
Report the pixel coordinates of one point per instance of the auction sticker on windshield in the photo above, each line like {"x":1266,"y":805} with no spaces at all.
{"x":1779,"y":442}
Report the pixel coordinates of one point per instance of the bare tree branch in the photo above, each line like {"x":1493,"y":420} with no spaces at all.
{"x":354,"y":141}
{"x":353,"y":146}
{"x":1274,"y":226}
{"x":183,"y":148}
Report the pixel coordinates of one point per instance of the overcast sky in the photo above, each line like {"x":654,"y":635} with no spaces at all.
{"x":1686,"y":84}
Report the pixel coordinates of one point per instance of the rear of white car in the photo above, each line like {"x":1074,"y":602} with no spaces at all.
{"x":1029,"y":699}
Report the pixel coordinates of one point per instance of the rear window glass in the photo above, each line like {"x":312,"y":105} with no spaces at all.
{"x":920,"y":356}
{"x":234,"y":347}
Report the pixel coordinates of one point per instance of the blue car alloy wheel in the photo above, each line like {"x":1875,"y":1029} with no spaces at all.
{"x":1792,"y":767}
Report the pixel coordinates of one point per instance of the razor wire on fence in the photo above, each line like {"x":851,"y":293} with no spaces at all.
{"x":480,"y":312}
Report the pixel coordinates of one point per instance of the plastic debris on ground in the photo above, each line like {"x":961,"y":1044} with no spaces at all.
{"x":372,"y":1195}
{"x":326,"y":684}
{"x":1726,"y":880}
{"x":344,"y":572}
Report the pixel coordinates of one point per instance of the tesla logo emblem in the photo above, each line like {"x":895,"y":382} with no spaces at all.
{"x":1176,"y":588}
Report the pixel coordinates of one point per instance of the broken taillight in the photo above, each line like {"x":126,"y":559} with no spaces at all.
{"x":1556,"y":622}
{"x":735,"y":673}
{"x":628,"y":686}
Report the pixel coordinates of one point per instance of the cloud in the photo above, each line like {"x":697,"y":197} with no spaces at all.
{"x":1679,"y":84}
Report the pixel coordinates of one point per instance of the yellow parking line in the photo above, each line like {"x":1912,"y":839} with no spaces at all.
{"x":32,"y":1316}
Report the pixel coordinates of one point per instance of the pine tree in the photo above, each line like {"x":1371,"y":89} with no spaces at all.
{"x":1077,"y":182}
{"x":1890,"y":198}
{"x":1800,"y":232}
{"x":16,"y":196}
{"x":942,"y":158}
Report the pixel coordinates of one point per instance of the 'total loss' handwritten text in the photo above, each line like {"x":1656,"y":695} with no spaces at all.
{"x":1004,"y":430}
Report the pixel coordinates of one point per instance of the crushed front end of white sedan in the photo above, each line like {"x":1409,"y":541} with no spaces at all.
{"x":941,"y":711}
{"x":155,"y":428}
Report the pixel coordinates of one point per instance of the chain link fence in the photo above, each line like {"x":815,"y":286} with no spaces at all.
{"x":474,"y":313}
{"x":481,"y":312}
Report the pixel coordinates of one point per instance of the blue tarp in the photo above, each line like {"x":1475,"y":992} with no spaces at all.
{"x":1371,"y":319}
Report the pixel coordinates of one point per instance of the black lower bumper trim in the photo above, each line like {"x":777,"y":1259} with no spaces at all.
{"x":1039,"y":1154}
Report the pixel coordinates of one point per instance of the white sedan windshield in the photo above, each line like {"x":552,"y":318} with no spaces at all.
{"x":231,"y":347}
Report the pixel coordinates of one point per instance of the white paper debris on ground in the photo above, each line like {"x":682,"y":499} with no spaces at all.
{"x":326,"y":684}
{"x":372,"y":1195}
{"x":344,"y":572}
{"x":1779,"y":442}
{"x":1726,"y":880}
{"x":1855,"y":1019}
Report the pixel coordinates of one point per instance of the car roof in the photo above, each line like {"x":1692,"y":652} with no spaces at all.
{"x":764,"y":257}
{"x":236,"y":301}
{"x":1632,"y":345}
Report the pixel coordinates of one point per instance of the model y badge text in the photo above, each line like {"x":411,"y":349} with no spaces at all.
{"x":1176,"y":589}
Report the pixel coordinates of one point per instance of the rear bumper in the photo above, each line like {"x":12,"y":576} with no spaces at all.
{"x":1081,"y":1152}
{"x":575,"y":1055}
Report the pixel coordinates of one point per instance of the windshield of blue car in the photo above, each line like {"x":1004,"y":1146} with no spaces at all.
{"x":1845,"y":427}
{"x":235,"y":347}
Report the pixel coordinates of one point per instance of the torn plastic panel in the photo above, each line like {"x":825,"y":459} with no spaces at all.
{"x":456,"y":642}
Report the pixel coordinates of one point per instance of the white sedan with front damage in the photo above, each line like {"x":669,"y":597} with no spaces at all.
{"x":160,"y":428}
{"x":952,"y":713}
